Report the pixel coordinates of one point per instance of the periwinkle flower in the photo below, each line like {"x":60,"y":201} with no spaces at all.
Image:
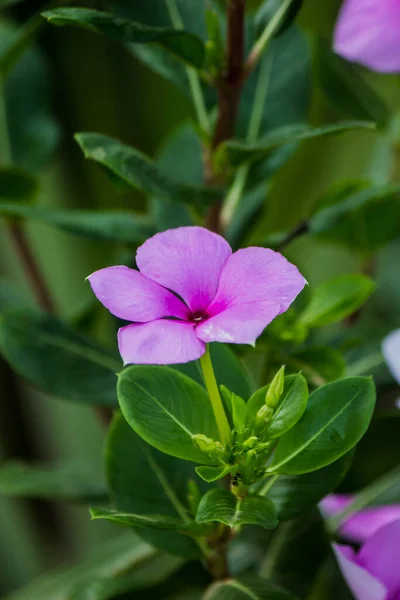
{"x":373,"y":573}
{"x":391,"y":353}
{"x":190,"y":290}
{"x":368,"y":32}
{"x":361,"y":525}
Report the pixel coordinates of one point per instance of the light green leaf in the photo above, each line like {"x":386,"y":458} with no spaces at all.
{"x":236,"y":406}
{"x":152,"y":483}
{"x":291,"y":406}
{"x":222,"y":506}
{"x":72,"y":483}
{"x":139,"y":171}
{"x":336,"y":299}
{"x":182,"y":44}
{"x":166,"y":409}
{"x":246,"y":588}
{"x":211,"y":474}
{"x":336,"y":418}
{"x":237,"y":153}
{"x":52,"y":356}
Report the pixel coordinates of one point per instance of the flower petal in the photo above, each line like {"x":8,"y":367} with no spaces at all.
{"x":363,"y":585}
{"x":368,"y":32}
{"x":362,"y":525}
{"x":187,"y":260}
{"x":129,"y":295}
{"x":159,"y":343}
{"x":380,"y":555}
{"x":256,"y":285}
{"x":391,"y":353}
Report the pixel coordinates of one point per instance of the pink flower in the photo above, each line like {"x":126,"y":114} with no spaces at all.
{"x":363,"y":524}
{"x":391,"y":353}
{"x":190,"y":290}
{"x":373,"y":573}
{"x":368,"y":32}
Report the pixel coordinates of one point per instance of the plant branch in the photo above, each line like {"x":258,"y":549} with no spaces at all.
{"x":301,"y":229}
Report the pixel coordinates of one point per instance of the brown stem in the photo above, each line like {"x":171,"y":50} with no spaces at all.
{"x":229,"y":86}
{"x":217,"y":563}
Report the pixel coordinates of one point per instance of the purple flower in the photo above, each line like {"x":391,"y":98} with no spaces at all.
{"x":190,"y":290}
{"x":373,"y":573}
{"x":368,"y":32}
{"x":363,"y":524}
{"x":391,"y":353}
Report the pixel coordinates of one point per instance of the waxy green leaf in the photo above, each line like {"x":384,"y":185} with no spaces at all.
{"x":337,"y":299}
{"x":49,"y":354}
{"x":246,"y":588}
{"x":182,"y":44}
{"x":222,"y":506}
{"x":139,"y":171}
{"x":166,"y":409}
{"x":336,"y":418}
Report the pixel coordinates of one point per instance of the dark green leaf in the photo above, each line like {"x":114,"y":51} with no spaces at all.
{"x":336,"y":299}
{"x":294,"y":496}
{"x":336,"y":418}
{"x":152,"y":483}
{"x":159,"y":522}
{"x":249,"y":588}
{"x":182,"y":44}
{"x":11,"y":296}
{"x":73,"y":483}
{"x":222,"y":506}
{"x":166,"y":409}
{"x":211,"y":474}
{"x":269,"y":8}
{"x":16,"y":184}
{"x":139,"y":171}
{"x":237,"y":153}
{"x":49,"y":354}
{"x":291,"y":406}
{"x":319,"y":364}
{"x":7,"y":3}
{"x":116,"y":226}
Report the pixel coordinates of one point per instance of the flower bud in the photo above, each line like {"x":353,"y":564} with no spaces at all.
{"x":275,"y":389}
{"x":250,"y":442}
{"x":204,"y":443}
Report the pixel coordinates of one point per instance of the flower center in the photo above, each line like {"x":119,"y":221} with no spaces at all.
{"x":198,"y":316}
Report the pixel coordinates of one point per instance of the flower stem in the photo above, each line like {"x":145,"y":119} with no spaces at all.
{"x":215,"y":398}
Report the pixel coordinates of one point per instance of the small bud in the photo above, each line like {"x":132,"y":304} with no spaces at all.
{"x":264,"y":414}
{"x":250,"y":442}
{"x":204,"y":443}
{"x":275,"y":389}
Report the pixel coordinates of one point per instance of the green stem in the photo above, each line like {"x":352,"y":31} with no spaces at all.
{"x":268,"y":33}
{"x":194,"y":81}
{"x":215,"y":398}
{"x":268,"y":485}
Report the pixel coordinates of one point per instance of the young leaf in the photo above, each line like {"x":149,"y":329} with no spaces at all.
{"x":336,"y":418}
{"x":152,"y":483}
{"x":336,"y":299}
{"x":246,"y":588}
{"x":291,"y":407}
{"x":211,"y":474}
{"x":71,"y":483}
{"x":222,"y":506}
{"x":166,"y":409}
{"x":182,"y":44}
{"x":238,"y":153}
{"x":139,"y":171}
{"x":236,"y":406}
{"x":49,"y":354}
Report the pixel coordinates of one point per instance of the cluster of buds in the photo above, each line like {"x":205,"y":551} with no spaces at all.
{"x":272,"y":398}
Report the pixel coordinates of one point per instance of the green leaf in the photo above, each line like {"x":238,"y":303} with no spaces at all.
{"x":159,"y":522}
{"x":291,"y":406}
{"x":336,"y":299}
{"x":152,"y":483}
{"x":127,"y":557}
{"x":33,"y":130}
{"x":7,"y":3}
{"x":139,"y":171}
{"x":336,"y":418}
{"x":182,"y":44}
{"x":211,"y":474}
{"x":16,"y":184}
{"x":118,"y":226}
{"x":238,"y":153}
{"x":237,"y":407}
{"x":222,"y":506}
{"x":269,"y":8}
{"x":52,"y":356}
{"x":319,"y":364}
{"x":364,"y":221}
{"x":346,"y":88}
{"x":72,"y":483}
{"x":246,"y":588}
{"x":295,"y":496}
{"x":12,"y":297}
{"x":166,"y":409}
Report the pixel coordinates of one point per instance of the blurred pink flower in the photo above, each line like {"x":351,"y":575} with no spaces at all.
{"x":373,"y":573}
{"x":391,"y":353}
{"x":190,"y":290}
{"x":368,"y":32}
{"x":363,"y":524}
